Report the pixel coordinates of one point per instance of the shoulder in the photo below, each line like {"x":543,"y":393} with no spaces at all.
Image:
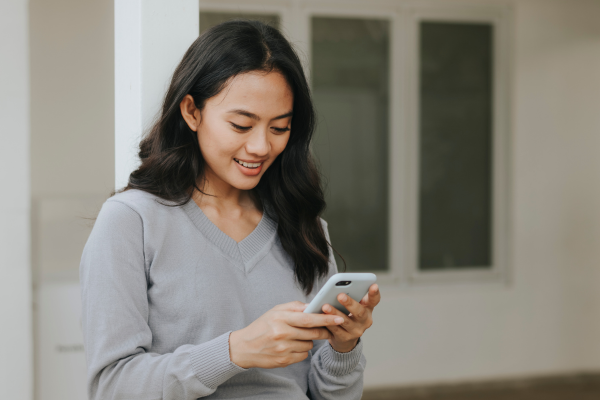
{"x":145,"y":204}
{"x":138,"y":200}
{"x":121,"y":210}
{"x":134,"y":209}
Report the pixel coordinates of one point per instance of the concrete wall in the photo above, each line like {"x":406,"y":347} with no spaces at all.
{"x":16,"y":344}
{"x":547,"y":320}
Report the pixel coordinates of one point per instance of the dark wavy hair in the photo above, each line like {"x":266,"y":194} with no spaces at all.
{"x":290,"y":190}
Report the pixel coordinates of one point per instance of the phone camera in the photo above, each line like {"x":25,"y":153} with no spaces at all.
{"x":343,"y":283}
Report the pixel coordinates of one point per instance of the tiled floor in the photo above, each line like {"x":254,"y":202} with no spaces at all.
{"x":584,"y":387}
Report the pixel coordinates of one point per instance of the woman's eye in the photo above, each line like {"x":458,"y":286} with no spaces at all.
{"x":281,"y":130}
{"x":240,"y":128}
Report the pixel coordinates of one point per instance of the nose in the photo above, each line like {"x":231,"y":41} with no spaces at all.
{"x":258,"y":143}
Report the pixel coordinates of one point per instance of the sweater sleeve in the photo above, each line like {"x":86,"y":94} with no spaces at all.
{"x":115,"y":322}
{"x":334,"y":375}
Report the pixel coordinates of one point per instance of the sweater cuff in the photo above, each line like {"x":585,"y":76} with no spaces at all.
{"x":211,"y":363}
{"x":339,"y":364}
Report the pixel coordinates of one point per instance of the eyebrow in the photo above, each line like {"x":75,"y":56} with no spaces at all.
{"x":256,"y":117}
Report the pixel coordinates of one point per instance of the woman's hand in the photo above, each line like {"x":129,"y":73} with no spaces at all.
{"x":280,"y":337}
{"x":345,"y":336}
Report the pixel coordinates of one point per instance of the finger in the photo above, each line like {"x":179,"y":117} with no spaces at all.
{"x":352,"y":327}
{"x":302,"y":346}
{"x":348,"y":324}
{"x":338,"y":332}
{"x":357,"y":310}
{"x":296,"y":306}
{"x":302,"y":320}
{"x":330,"y":310}
{"x":365,"y":300}
{"x":373,"y":296}
{"x":311,"y":333}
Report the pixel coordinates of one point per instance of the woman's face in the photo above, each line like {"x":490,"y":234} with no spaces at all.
{"x":244,"y":128}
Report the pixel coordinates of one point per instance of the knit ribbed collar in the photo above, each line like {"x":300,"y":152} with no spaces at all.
{"x":249,"y":250}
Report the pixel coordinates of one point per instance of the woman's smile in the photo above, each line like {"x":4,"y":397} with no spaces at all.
{"x":249,"y":168}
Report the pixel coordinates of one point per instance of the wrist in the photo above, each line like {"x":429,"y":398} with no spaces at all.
{"x":345,"y":347}
{"x":235,"y":349}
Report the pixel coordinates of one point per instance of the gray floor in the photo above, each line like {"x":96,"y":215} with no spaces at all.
{"x":578,"y":387}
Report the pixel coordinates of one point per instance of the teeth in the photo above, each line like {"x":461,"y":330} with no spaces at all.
{"x":248,"y":165}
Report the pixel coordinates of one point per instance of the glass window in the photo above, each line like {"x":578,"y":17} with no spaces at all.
{"x":455,"y":167}
{"x":350,"y":81}
{"x":209,"y":19}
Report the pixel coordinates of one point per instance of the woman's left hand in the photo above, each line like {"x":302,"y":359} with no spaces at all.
{"x":345,"y":336}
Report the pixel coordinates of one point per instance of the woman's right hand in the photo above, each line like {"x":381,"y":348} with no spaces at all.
{"x":280,"y":337}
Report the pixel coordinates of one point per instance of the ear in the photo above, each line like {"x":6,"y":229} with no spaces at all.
{"x":190,"y":113}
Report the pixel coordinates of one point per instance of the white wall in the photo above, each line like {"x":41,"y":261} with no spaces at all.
{"x":151,"y":37}
{"x":16,"y":346}
{"x":547,"y":320}
{"x":72,"y":172}
{"x":72,"y":93}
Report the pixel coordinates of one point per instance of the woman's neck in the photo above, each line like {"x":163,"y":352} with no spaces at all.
{"x":232,"y":210}
{"x":222,"y":196}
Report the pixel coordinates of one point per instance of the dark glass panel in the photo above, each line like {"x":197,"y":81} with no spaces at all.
{"x":350,"y":69}
{"x":455,"y":197}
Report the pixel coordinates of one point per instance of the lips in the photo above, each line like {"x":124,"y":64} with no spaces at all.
{"x":250,"y":165}
{"x":249,"y":168}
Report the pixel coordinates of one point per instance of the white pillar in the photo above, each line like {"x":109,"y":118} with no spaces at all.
{"x":16,"y":337}
{"x":151,"y":37}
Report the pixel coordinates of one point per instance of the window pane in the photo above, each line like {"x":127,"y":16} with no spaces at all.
{"x":455,"y":210}
{"x":350,"y":68}
{"x":209,"y":19}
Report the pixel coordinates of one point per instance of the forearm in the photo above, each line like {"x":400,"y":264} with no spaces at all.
{"x":190,"y":372}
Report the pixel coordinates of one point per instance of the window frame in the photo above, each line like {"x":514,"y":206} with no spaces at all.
{"x":403,"y":157}
{"x":498,"y":17}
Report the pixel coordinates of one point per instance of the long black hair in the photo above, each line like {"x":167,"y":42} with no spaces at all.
{"x":290,"y":190}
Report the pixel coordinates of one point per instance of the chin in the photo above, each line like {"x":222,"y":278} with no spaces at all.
{"x":245,"y":184}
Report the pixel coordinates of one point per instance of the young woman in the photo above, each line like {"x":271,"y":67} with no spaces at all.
{"x":195,"y":276}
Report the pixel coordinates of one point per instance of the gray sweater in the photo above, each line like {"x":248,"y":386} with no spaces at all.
{"x":163,"y":288}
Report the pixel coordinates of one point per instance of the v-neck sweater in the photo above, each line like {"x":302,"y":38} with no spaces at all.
{"x":163,"y":287}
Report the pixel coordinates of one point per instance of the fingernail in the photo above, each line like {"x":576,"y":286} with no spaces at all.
{"x":327,"y":308}
{"x":338,"y":320}
{"x":344,"y":297}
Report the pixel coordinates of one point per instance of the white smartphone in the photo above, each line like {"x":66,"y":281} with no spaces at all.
{"x":355,"y":285}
